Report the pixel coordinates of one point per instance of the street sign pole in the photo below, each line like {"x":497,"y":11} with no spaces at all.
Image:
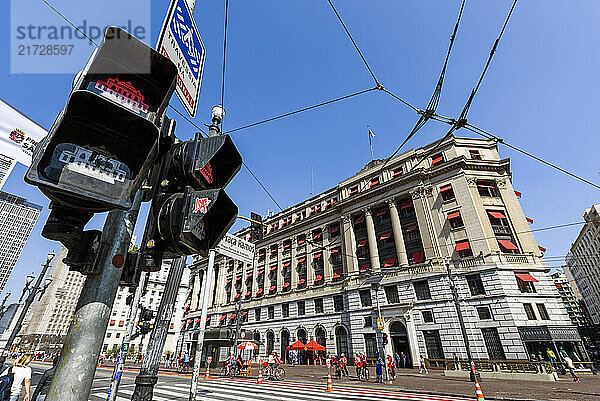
{"x":147,"y":378}
{"x":79,"y":356}
{"x":125,"y":344}
{"x":202,"y":330}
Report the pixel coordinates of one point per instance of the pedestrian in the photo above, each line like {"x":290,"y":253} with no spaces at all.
{"x":541,"y":356}
{"x":456,"y":361}
{"x":378,"y":369}
{"x":22,"y":377}
{"x":397,"y":359}
{"x":533,"y":358}
{"x":551,"y":355}
{"x":571,"y":367}
{"x":422,"y":367}
{"x":41,"y":390}
{"x":357,"y":362}
{"x":404,"y":358}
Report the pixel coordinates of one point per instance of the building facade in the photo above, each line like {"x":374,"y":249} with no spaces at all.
{"x":570,"y":297}
{"x":398,"y":222}
{"x":151,"y":300}
{"x":583,"y":262}
{"x":51,"y":315}
{"x":17,"y":218}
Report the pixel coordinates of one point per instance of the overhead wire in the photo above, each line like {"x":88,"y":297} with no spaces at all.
{"x":224,"y":52}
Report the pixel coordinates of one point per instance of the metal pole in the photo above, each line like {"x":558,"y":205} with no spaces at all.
{"x":28,"y":302}
{"x":147,"y":378}
{"x":118,"y":370}
{"x":380,"y":335}
{"x":463,"y":328}
{"x":200,"y":343}
{"x":83,"y":344}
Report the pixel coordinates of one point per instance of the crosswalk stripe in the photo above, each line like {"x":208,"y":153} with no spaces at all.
{"x":104,"y":395}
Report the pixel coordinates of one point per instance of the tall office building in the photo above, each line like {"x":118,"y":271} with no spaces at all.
{"x":397,"y":223}
{"x":17,"y":218}
{"x":51,"y":316}
{"x":6,"y":165}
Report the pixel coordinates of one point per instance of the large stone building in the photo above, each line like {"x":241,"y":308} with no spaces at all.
{"x":583,"y":261}
{"x":150,"y":300}
{"x":401,"y":221}
{"x":51,"y":316}
{"x":17,"y":218}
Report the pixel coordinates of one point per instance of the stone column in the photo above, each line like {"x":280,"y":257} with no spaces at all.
{"x":294,"y":264}
{"x":425,"y":229}
{"x":411,"y":332}
{"x":398,"y":236}
{"x":348,"y":245}
{"x":310,"y":248}
{"x":372,"y":239}
{"x":327,"y":269}
{"x":279,"y":266}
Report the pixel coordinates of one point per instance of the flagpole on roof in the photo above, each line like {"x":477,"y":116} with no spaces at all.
{"x":371,"y":135}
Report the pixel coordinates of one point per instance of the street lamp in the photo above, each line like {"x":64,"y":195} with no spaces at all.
{"x":218,"y":113}
{"x":28,"y":280}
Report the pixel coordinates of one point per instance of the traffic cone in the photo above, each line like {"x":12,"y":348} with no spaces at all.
{"x":259,"y":380}
{"x":207,"y":371}
{"x":478,"y":391}
{"x":329,"y":383}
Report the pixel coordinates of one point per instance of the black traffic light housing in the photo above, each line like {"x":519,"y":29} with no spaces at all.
{"x":102,"y":145}
{"x":130,"y":276}
{"x":256,"y":227}
{"x":385,"y":338}
{"x":146,"y":314}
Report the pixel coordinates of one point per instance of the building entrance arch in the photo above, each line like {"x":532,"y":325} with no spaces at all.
{"x":400,"y":343}
{"x":270,"y":342}
{"x":285,"y":342}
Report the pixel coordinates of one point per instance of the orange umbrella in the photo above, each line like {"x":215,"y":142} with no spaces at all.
{"x":297,"y":345}
{"x":314,"y":346}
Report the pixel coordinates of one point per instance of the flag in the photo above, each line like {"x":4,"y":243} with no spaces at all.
{"x":518,"y":194}
{"x":529,"y":220}
{"x":371,"y":133}
{"x":542,"y":248}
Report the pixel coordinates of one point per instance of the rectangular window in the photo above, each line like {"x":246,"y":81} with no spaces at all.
{"x":525,"y":282}
{"x":437,"y":159}
{"x":529,"y":311}
{"x":463,"y":248}
{"x":257,"y":314}
{"x":433,"y":344}
{"x":487,"y":188}
{"x":368,"y":321}
{"x":365,"y":298}
{"x":475,"y":155}
{"x":422,"y":290}
{"x":484,"y":313}
{"x":427,"y":316}
{"x":370,"y":345}
{"x":543,"y":312}
{"x":397,"y":171}
{"x":285,"y":310}
{"x":319,"y":305}
{"x":447,"y":192}
{"x":354,"y":190}
{"x":271,"y":312}
{"x":493,"y":343}
{"x":455,"y":219}
{"x":475,"y":284}
{"x":374,"y":181}
{"x":338,"y":303}
{"x":391,"y":294}
{"x":301,"y":308}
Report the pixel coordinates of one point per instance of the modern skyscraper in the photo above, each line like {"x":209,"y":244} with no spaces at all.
{"x":17,"y":218}
{"x":6,"y":165}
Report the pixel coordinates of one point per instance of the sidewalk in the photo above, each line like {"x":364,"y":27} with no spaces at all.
{"x":436,"y":383}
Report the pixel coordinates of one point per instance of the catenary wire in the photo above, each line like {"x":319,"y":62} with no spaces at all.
{"x":314,"y":106}
{"x":69,"y":22}
{"x":353,"y":42}
{"x":224,"y":53}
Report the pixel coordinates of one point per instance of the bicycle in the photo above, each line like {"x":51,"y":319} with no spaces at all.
{"x":183,"y":367}
{"x":391,"y":371}
{"x":363,"y":372}
{"x":274,"y":373}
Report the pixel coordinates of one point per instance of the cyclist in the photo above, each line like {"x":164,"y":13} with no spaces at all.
{"x":239,"y":363}
{"x":357,"y":361}
{"x":230,"y":362}
{"x":391,"y":367}
{"x":344,"y":365}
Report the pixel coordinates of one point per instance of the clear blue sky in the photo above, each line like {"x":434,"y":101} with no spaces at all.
{"x":540,"y":93}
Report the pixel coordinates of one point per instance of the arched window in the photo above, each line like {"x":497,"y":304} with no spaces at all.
{"x":270,"y":342}
{"x":285,"y":342}
{"x":302,"y":336}
{"x":256,"y":338}
{"x":321,"y":339}
{"x":341,"y":340}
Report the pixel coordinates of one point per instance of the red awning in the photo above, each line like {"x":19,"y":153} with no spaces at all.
{"x":316,"y":256}
{"x":506,"y":244}
{"x":287,"y":245}
{"x":462,"y":246}
{"x":228,"y":282}
{"x":248,"y":293}
{"x":406,"y":204}
{"x":362,"y":243}
{"x":389,"y":262}
{"x":272,"y":269}
{"x":418,"y":257}
{"x":208,"y":319}
{"x":238,"y":278}
{"x":336,"y":275}
{"x":525,"y":276}
{"x":287,"y":264}
{"x":260,"y":290}
{"x":359,"y":220}
{"x":197,"y":320}
{"x":271,"y":288}
{"x":334,"y":229}
{"x":411,"y":228}
{"x":232,"y":316}
{"x":335,"y":250}
{"x":382,"y":212}
{"x":453,"y":215}
{"x":353,"y":190}
{"x":437,"y":160}
{"x":558,"y":286}
{"x":497,"y":215}
{"x":236,"y":296}
{"x":249,"y":275}
{"x":398,"y":171}
{"x":314,"y":346}
{"x":374,"y":182}
{"x":298,"y":345}
{"x":319,"y":277}
{"x":301,"y":281}
{"x":301,"y":260}
{"x":286,"y":285}
{"x":446,"y":188}
{"x":301,"y":240}
{"x":386,"y":235}
{"x":261,"y":272}
{"x":223,"y":317}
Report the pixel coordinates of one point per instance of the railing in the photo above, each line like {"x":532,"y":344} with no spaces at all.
{"x":493,"y":365}
{"x":471,"y":262}
{"x":501,"y":230}
{"x":523,"y":259}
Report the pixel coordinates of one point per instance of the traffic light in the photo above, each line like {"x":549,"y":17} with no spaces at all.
{"x":102,"y":145}
{"x":130,"y":277}
{"x":256,"y":228}
{"x":385,"y":338}
{"x":145,"y":327}
{"x":146,"y":314}
{"x":190,"y":211}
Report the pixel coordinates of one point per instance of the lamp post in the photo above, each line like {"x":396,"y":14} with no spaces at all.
{"x":28,"y":301}
{"x":2,"y":310}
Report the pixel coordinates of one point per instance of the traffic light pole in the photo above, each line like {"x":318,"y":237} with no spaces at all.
{"x":79,"y":356}
{"x":382,"y":355}
{"x":147,"y":378}
{"x":463,"y":328}
{"x":118,"y":370}
{"x":202,"y":330}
